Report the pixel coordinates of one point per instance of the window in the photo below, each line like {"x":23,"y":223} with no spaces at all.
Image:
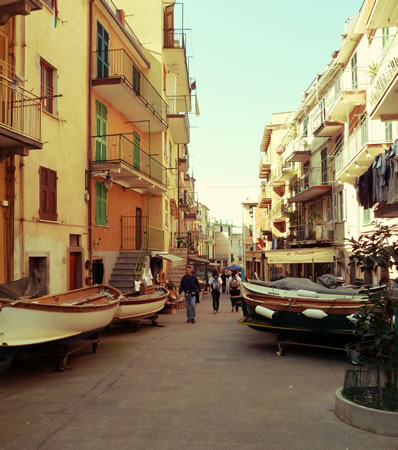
{"x":166,"y":213}
{"x":136,"y":79}
{"x":170,"y":152}
{"x":388,"y":128}
{"x":47,"y":89}
{"x":101,"y":201}
{"x":385,"y":36}
{"x":366,"y":215}
{"x":48,"y":194}
{"x":102,"y":52}
{"x":101,"y":125}
{"x":354,"y":71}
{"x":305,"y":127}
{"x":136,"y":150}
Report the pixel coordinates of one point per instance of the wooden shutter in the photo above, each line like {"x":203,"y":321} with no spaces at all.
{"x":48,"y":194}
{"x":136,"y":150}
{"x":101,"y":126}
{"x":101,"y":197}
{"x":136,"y":79}
{"x":169,"y":26}
{"x":102,"y":52}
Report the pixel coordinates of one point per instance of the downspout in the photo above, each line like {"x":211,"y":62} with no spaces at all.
{"x":89,"y":144}
{"x":22,"y":162}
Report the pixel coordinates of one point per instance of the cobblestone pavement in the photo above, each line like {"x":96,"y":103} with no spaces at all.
{"x":209,"y":385}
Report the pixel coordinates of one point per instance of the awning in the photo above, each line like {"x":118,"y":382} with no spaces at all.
{"x":301,"y":255}
{"x":198,"y":260}
{"x":175,"y":260}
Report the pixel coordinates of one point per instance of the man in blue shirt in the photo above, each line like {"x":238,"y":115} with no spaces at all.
{"x":189,"y":285}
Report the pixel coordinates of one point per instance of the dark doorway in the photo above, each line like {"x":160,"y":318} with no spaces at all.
{"x":98,"y":271}
{"x":40,"y":264}
{"x":138,"y":228}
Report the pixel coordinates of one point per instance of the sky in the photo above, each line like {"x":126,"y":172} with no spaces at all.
{"x":250,"y":59}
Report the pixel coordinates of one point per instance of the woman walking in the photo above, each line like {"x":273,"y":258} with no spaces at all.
{"x":215,"y":283}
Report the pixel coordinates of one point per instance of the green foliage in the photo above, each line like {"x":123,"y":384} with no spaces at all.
{"x":373,"y":68}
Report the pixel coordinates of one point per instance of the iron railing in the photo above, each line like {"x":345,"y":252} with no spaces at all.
{"x":20,"y":110}
{"x":314,"y":177}
{"x":174,"y":38}
{"x":311,"y":232}
{"x":178,"y":106}
{"x":117,"y":63}
{"x":119,"y":147}
{"x":368,"y":132}
{"x":133,"y":232}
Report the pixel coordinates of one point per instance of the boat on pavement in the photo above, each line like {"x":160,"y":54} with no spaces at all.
{"x":297,"y":305}
{"x":137,"y":306}
{"x":27,"y":321}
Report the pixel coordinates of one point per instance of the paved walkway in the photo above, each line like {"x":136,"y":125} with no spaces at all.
{"x":210,"y":385}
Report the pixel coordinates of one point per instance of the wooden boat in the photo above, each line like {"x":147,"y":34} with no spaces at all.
{"x":27,"y":321}
{"x":137,"y":306}
{"x":297,"y":310}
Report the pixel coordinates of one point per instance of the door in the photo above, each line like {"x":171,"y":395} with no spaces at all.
{"x":324,"y":166}
{"x":169,"y":26}
{"x":72,"y":271}
{"x":98,"y":271}
{"x":102,"y":52}
{"x":101,"y":126}
{"x":138,"y":228}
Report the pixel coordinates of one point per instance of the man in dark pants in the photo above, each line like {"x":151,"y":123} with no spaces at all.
{"x":189,"y":285}
{"x":224,"y":281}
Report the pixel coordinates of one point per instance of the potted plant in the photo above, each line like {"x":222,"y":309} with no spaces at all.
{"x":315,"y":220}
{"x":371,"y":379}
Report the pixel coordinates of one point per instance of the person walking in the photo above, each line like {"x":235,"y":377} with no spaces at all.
{"x":234,"y":289}
{"x":224,"y":281}
{"x":215,"y":283}
{"x":189,"y":284}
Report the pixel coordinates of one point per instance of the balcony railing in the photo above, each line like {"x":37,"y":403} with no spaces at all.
{"x":118,"y":64}
{"x":174,"y":38}
{"x":311,"y":232}
{"x":386,"y":72}
{"x":20,"y":111}
{"x":367,"y":133}
{"x":179,"y":106}
{"x":119,"y":148}
{"x":314,"y":177}
{"x":155,"y":238}
{"x":133,"y":232}
{"x":296,"y":150}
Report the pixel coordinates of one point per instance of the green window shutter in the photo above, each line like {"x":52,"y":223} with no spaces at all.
{"x":101,"y":126}
{"x":102,"y":52}
{"x":136,"y":150}
{"x":101,"y":200}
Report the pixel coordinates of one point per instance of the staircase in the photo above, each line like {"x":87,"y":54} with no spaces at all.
{"x":175,"y":273}
{"x":123,"y":273}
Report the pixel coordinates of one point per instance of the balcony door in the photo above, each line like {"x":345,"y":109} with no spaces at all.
{"x":102,"y":52}
{"x":101,"y":126}
{"x":324,"y":165}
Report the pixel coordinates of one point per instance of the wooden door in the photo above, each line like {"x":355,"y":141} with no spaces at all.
{"x":72,"y":271}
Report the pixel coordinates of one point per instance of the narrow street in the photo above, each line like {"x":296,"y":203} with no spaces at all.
{"x":209,"y":385}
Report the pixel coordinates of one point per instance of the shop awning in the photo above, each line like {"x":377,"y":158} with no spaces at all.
{"x":175,"y":260}
{"x":301,"y":255}
{"x":198,"y":260}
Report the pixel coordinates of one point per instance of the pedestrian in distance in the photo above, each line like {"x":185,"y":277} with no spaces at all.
{"x":215,"y":283}
{"x":189,"y":284}
{"x":224,"y":281}
{"x":234,"y":289}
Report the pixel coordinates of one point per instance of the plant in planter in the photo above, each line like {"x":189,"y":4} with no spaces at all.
{"x":377,"y":349}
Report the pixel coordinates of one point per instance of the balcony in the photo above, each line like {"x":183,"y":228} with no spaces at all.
{"x":175,"y":60}
{"x":265,"y":200}
{"x":347,"y":92}
{"x":186,"y":201}
{"x":9,"y":8}
{"x":20,"y":120}
{"x":297,"y":151}
{"x":384,"y":87}
{"x":178,"y":118}
{"x":280,"y":212}
{"x":311,"y":233}
{"x":183,"y":163}
{"x":383,"y":14}
{"x":357,"y":154}
{"x":119,"y":81}
{"x":311,"y":185}
{"x":321,"y":127}
{"x":285,"y":171}
{"x":128,"y":164}
{"x":265,"y":168}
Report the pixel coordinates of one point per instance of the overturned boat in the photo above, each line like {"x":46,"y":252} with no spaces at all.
{"x":137,"y":306}
{"x":26,"y":319}
{"x":297,"y":305}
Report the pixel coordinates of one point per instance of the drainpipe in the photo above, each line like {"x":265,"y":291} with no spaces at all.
{"x":89,"y":149}
{"x":22,"y":162}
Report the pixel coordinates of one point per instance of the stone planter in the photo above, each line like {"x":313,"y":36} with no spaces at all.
{"x":369,"y":419}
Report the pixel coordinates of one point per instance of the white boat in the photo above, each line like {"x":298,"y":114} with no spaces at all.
{"x":136,"y":306}
{"x":28,"y":321}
